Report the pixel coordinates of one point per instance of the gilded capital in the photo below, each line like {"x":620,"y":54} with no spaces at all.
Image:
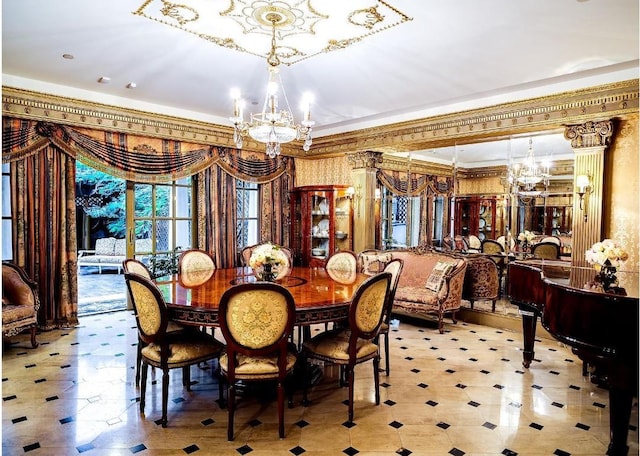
{"x":589,"y":134}
{"x":366,"y":159}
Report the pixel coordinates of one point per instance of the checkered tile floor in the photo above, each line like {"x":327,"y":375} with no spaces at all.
{"x":463,"y":392}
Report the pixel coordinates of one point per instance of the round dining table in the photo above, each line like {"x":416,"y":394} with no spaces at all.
{"x":320,"y":295}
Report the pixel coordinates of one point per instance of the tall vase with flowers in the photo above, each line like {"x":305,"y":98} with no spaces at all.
{"x":606,"y":257}
{"x":266,"y":261}
{"x":524,"y":240}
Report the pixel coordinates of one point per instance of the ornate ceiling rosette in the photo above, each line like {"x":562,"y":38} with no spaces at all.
{"x":303,"y":30}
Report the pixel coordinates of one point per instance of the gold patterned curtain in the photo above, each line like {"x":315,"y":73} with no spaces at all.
{"x":216,"y":189}
{"x":44,"y":234}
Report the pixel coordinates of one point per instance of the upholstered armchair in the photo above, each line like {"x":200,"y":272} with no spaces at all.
{"x":481,"y":281}
{"x":20,"y":302}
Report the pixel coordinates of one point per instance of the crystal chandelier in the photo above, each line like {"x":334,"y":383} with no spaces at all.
{"x":526,"y":176}
{"x":274,"y":125}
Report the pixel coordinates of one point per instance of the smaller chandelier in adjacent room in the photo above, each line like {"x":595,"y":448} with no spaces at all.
{"x":526,"y":176}
{"x":275,"y":124}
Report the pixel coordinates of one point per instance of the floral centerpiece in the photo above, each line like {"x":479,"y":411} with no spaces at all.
{"x":266,"y":261}
{"x":606,"y":257}
{"x":525,"y":238}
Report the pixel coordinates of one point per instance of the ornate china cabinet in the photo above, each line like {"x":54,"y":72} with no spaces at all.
{"x":476,"y":216}
{"x":322,"y":223}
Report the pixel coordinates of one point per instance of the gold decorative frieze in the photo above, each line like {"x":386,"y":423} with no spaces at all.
{"x":366,"y":159}
{"x":247,"y":25}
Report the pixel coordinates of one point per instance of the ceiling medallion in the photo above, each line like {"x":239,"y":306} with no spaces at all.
{"x":303,"y":30}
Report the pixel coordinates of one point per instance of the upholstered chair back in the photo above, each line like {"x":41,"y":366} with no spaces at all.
{"x":137,"y":267}
{"x":373,"y":261}
{"x":474,"y":242}
{"x":149,"y":307}
{"x":546,"y":250}
{"x":368,"y":305}
{"x":343,"y":260}
{"x":490,"y":246}
{"x":554,"y":239}
{"x":196,"y":260}
{"x":257,"y":317}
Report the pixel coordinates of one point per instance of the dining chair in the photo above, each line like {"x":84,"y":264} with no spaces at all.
{"x":256,"y":320}
{"x":554,"y":239}
{"x":474,"y":242}
{"x":162,"y":349}
{"x":491,"y":246}
{"x":546,"y":251}
{"x":138,"y":267}
{"x":344,"y":260}
{"x":395,"y":268}
{"x":502,"y":240}
{"x":196,"y":260}
{"x":356,"y":343}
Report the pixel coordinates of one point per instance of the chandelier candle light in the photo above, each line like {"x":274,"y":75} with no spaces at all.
{"x":274,"y":125}
{"x":529,"y":174}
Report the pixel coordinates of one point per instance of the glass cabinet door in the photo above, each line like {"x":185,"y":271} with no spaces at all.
{"x":320,"y":225}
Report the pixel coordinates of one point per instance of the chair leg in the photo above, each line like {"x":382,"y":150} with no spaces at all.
{"x":138,"y":362}
{"x":351,"y":378}
{"x":143,"y":389}
{"x":231,"y":405}
{"x":34,"y":342}
{"x":376,"y":378}
{"x":386,"y":354}
{"x":186,"y":377}
{"x":165,"y":396}
{"x":280,"y":410}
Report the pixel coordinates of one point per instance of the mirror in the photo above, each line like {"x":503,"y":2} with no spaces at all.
{"x":510,"y":185}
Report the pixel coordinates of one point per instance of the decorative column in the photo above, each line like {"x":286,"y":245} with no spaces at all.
{"x":363,"y":178}
{"x":589,"y":141}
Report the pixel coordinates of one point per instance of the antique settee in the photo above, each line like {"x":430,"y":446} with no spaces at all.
{"x":431,"y":283}
{"x":110,"y":252}
{"x":20,"y":302}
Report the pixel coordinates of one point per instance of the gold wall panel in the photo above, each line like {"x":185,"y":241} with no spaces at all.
{"x":481,"y":186}
{"x":621,"y":190}
{"x":327,"y":171}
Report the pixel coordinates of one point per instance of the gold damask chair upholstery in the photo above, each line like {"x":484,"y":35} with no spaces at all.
{"x":491,"y":247}
{"x":356,"y":343}
{"x":395,"y":268}
{"x":343,"y":260}
{"x":475,"y":244}
{"x":20,"y":302}
{"x":196,"y":260}
{"x":162,"y":349}
{"x":256,"y":320}
{"x":372,"y":261}
{"x":138,"y":267}
{"x":546,"y":251}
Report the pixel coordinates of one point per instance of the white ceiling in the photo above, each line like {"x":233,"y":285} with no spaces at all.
{"x":452,"y":55}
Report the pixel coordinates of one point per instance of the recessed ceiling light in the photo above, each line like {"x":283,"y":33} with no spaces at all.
{"x":104,"y":80}
{"x":132,"y":85}
{"x":67,"y":56}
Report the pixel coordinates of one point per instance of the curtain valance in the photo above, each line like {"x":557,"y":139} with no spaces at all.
{"x":399,"y":183}
{"x":136,"y":158}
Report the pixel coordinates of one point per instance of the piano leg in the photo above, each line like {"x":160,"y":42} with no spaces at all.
{"x":529,"y":323}
{"x":622,"y":388}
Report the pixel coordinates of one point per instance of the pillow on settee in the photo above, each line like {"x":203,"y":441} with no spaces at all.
{"x":436,"y":278}
{"x":375,"y":262}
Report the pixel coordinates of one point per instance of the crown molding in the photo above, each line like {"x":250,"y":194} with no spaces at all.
{"x":548,"y":113}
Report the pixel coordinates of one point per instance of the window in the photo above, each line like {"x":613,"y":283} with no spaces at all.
{"x":400,"y":220}
{"x":7,"y":232}
{"x":247,"y":214}
{"x":163,"y":214}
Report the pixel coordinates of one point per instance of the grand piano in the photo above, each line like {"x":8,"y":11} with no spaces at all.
{"x":601,"y":328}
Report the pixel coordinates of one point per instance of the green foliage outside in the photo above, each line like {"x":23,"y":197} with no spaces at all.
{"x":110,"y":193}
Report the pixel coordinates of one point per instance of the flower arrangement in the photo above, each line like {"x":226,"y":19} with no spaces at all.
{"x":606,"y":253}
{"x":266,"y":260}
{"x":526,"y":236}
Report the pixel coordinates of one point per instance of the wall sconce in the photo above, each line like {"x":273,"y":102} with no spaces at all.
{"x":583,"y":188}
{"x":355,"y":195}
{"x":378,"y":194}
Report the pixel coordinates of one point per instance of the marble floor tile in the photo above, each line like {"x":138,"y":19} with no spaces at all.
{"x":463,"y":392}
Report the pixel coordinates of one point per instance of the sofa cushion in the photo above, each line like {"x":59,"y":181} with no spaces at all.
{"x":120,"y":247}
{"x":11,"y":313}
{"x":105,"y":246}
{"x":438,"y":274}
{"x":419,"y":295}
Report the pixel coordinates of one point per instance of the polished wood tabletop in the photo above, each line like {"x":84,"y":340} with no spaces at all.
{"x":321,"y":296}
